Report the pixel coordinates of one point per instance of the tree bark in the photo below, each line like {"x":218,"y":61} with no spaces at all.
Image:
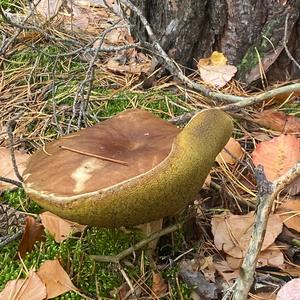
{"x":250,"y":33}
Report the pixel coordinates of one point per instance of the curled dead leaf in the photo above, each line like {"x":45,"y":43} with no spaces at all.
{"x":33,"y":232}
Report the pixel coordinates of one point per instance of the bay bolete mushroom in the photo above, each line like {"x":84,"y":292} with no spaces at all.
{"x":149,"y":168}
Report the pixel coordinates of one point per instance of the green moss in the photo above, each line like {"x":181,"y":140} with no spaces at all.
{"x":18,"y":200}
{"x":73,"y":255}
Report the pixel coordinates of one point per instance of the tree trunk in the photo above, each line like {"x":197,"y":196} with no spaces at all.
{"x":250,"y":33}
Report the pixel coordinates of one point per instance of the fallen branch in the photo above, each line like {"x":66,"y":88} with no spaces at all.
{"x":267,"y":193}
{"x":176,"y":71}
{"x":117,"y":258}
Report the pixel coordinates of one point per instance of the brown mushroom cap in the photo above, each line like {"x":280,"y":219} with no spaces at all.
{"x":136,"y":137}
{"x":166,"y":168}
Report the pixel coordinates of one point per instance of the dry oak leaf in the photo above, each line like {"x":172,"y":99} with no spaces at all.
{"x":290,"y":291}
{"x":289,"y":212}
{"x":232,"y":233}
{"x":59,"y":228}
{"x":6,"y":167}
{"x":215,"y":71}
{"x":278,"y":121}
{"x":33,"y":232}
{"x":55,"y":278}
{"x":277,"y":155}
{"x":30,"y":288}
{"x":231,"y":153}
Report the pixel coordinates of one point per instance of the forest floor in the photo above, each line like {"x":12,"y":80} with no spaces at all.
{"x":53,"y":88}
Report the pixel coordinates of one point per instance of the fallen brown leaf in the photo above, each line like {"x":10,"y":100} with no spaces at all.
{"x":277,"y":155}
{"x":277,"y":121}
{"x":30,"y":288}
{"x":55,"y":278}
{"x":233,"y":232}
{"x":289,"y":212}
{"x":6,"y":167}
{"x":59,"y":228}
{"x":33,"y":232}
{"x":231,"y":152}
{"x":272,"y":257}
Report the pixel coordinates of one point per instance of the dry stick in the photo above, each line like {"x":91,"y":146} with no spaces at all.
{"x":266,"y":195}
{"x":11,"y":181}
{"x":121,"y":162}
{"x":117,"y":258}
{"x":10,"y":125}
{"x":175,"y":70}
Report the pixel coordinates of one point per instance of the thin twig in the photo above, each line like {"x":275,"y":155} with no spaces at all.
{"x":121,"y":162}
{"x":117,"y":258}
{"x":11,"y":181}
{"x":176,"y":71}
{"x":265,"y":198}
{"x":10,"y":125}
